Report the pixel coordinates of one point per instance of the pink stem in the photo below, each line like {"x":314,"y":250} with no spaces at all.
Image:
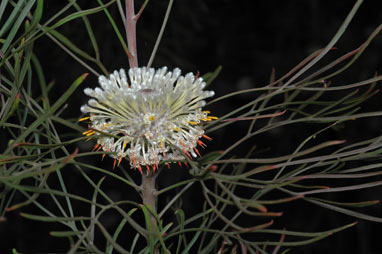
{"x":131,"y":22}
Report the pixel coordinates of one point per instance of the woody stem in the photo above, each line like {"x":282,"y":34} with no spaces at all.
{"x":148,"y":196}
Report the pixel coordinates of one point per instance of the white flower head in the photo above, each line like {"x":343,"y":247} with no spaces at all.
{"x":149,"y":117}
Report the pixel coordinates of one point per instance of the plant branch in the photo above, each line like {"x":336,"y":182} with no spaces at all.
{"x":328,"y":47}
{"x":148,"y":197}
{"x":159,"y":38}
{"x":131,"y":23}
{"x":141,"y":10}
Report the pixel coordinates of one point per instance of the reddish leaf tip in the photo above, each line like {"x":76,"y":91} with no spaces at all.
{"x":20,"y":144}
{"x":212,"y":168}
{"x":263,"y":209}
{"x":270,"y":167}
{"x":197,"y":75}
{"x":71,"y":156}
{"x":337,"y":142}
{"x":9,"y":209}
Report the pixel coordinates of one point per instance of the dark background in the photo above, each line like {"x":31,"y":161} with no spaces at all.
{"x":248,"y":38}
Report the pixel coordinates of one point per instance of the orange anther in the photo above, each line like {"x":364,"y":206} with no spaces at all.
{"x":86,"y":132}
{"x":154,"y":167}
{"x":95,"y":147}
{"x":140,"y":169}
{"x":188,"y":154}
{"x":196,"y":150}
{"x":206,"y":137}
{"x":84,"y":118}
{"x":148,"y":168}
{"x":201,"y":143}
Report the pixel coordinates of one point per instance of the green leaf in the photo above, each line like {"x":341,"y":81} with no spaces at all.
{"x":67,"y":42}
{"x":349,"y":204}
{"x":14,"y":106}
{"x":3,"y":4}
{"x":194,"y":239}
{"x":52,"y":219}
{"x":90,"y":31}
{"x":8,"y":23}
{"x":211,"y":156}
{"x":109,"y":249}
{"x":65,"y":233}
{"x":150,"y":228}
{"x":211,"y":76}
{"x":37,"y":14}
{"x":80,"y":14}
{"x":14,"y":251}
{"x":27,"y":174}
{"x":346,"y":211}
{"x":181,"y":225}
{"x":11,"y":102}
{"x":41,"y":79}
{"x":43,"y":117}
{"x":16,"y":25}
{"x":116,"y":30}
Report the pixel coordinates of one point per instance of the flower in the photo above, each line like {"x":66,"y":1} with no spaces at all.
{"x":154,"y":116}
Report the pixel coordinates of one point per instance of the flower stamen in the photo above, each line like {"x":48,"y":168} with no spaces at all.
{"x":148,"y":117}
{"x":206,"y":137}
{"x":84,"y":119}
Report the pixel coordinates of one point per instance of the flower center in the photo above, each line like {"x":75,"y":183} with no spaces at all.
{"x":148,"y":91}
{"x":148,"y":118}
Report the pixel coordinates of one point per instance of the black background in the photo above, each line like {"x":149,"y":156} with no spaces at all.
{"x":248,"y":38}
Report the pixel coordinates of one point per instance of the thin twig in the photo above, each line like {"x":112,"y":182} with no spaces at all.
{"x":141,"y":10}
{"x":328,"y":47}
{"x":120,"y":9}
{"x":159,"y":38}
